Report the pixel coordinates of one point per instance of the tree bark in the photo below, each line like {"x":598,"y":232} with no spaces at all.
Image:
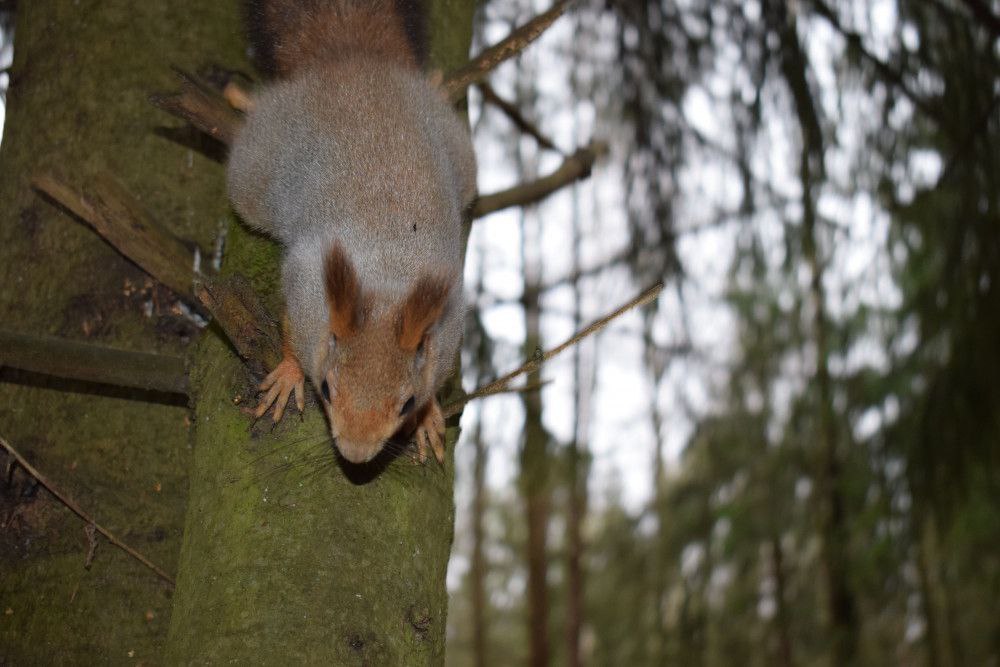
{"x":288,"y":558}
{"x":80,"y":79}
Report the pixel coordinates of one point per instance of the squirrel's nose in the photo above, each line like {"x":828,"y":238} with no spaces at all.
{"x":356,"y":452}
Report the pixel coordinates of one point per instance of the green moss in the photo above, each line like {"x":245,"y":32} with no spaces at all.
{"x":293,"y":562}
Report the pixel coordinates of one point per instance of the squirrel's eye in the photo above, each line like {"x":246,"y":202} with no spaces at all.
{"x":407,"y":407}
{"x":325,"y":390}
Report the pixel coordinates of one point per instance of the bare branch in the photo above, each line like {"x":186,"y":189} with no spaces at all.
{"x":575,"y":167}
{"x":456,"y":82}
{"x":500,"y":384}
{"x":93,"y":363}
{"x":510,"y":110}
{"x":72,"y":505}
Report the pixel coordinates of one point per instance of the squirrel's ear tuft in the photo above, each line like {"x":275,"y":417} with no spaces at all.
{"x":343,"y":293}
{"x":422,"y":308}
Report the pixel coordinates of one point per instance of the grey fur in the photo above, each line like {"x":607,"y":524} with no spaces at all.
{"x":369,"y":156}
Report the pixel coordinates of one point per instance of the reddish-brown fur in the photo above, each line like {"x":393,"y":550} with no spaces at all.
{"x":304,"y":32}
{"x":360,"y":425}
{"x":343,"y":293}
{"x":421,"y":309}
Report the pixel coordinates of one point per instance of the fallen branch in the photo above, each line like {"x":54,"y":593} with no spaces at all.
{"x":202,"y":107}
{"x":93,"y":363}
{"x":72,"y":505}
{"x":500,"y":384}
{"x":515,"y":116}
{"x":458,"y":81}
{"x":573,"y":168}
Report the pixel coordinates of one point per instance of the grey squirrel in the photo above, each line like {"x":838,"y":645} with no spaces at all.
{"x":355,"y":161}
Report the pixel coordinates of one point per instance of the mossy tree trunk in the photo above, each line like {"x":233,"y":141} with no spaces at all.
{"x":78,"y":104}
{"x":283,"y":558}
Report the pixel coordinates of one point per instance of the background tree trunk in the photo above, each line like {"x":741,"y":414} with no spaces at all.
{"x":534,"y":475}
{"x":78,"y":103}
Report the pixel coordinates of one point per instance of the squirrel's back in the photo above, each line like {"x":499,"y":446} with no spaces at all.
{"x":290,"y":35}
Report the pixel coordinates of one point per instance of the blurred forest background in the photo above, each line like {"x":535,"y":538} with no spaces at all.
{"x":792,"y":457}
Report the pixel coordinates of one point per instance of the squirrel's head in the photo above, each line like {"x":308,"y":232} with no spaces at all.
{"x":374,"y":372}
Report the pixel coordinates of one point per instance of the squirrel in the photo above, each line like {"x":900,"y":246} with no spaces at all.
{"x":354,"y":160}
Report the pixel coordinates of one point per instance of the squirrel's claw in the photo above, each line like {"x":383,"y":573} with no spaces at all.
{"x":430,"y":433}
{"x":279,"y":385}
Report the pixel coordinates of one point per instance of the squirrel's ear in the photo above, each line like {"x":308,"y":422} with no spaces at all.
{"x":422,"y":308}
{"x":343,"y":293}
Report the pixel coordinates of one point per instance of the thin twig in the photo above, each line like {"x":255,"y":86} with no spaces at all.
{"x":515,"y":116}
{"x":573,"y":168}
{"x":456,"y":82}
{"x":453,"y":408}
{"x":500,"y":384}
{"x":72,"y":505}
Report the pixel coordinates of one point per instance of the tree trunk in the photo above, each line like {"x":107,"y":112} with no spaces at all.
{"x":78,"y":103}
{"x":478,"y":567}
{"x":286,"y":559}
{"x":576,"y":474}
{"x":842,"y":607}
{"x":535,"y":480}
{"x":782,"y":622}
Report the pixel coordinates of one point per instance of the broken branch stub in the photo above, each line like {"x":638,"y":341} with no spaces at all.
{"x":202,"y":107}
{"x":244,"y":320}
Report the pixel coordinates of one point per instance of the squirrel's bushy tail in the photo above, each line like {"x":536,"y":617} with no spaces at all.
{"x":289,"y":35}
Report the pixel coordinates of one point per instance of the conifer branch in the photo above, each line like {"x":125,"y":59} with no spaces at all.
{"x":515,"y":116}
{"x":575,"y":167}
{"x":458,"y":81}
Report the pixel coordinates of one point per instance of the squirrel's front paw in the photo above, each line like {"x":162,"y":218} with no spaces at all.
{"x":279,"y":384}
{"x":430,"y":433}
